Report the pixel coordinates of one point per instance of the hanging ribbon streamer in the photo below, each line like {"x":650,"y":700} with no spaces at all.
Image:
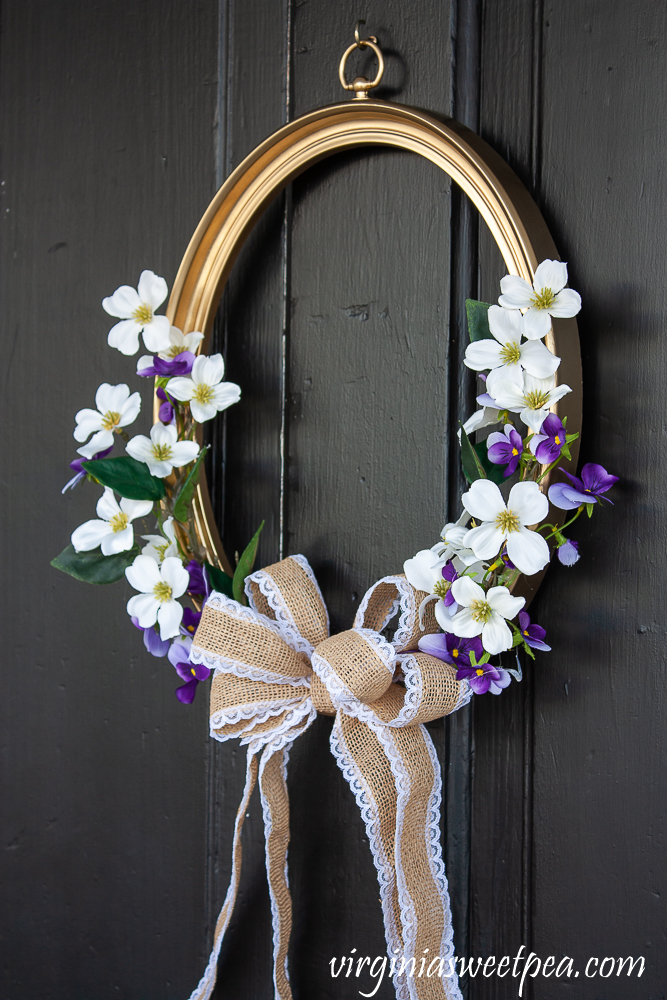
{"x":275,"y":667}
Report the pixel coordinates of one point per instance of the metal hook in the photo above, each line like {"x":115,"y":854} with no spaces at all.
{"x":358,"y":40}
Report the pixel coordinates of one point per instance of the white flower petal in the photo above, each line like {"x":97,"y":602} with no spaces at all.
{"x":485,"y":540}
{"x":483,"y":501}
{"x":169,"y":616}
{"x":517,"y":293}
{"x":161,"y":469}
{"x":201,"y":412}
{"x":111,"y":397}
{"x":144,"y":607}
{"x":465,"y":591}
{"x":169,"y":529}
{"x":87,"y":421}
{"x":226,"y":394}
{"x":98,"y":442}
{"x":536,"y":324}
{"x":213,"y":369}
{"x":130,"y":410}
{"x":550,"y":274}
{"x":192,"y":340}
{"x":528,"y":551}
{"x":567,"y":303}
{"x":503,"y":603}
{"x":527,"y":501}
{"x":505,"y":325}
{"x":152,"y":290}
{"x":106,"y":505}
{"x":481,"y":418}
{"x":496,"y":635}
{"x":534,"y":419}
{"x":463,"y":624}
{"x":538,"y":359}
{"x":89,"y":535}
{"x":136,"y":508}
{"x":163,"y":434}
{"x":482,"y":354}
{"x":140,"y":447}
{"x":181,"y":388}
{"x":176,"y":575}
{"x":143,"y":575}
{"x":198,"y":369}
{"x":156,"y":334}
{"x":423,"y":570}
{"x":118,"y":541}
{"x":184,"y":452}
{"x":508,"y":394}
{"x":508,"y":373}
{"x":124,"y":336}
{"x":122,"y":303}
{"x":557,"y":393}
{"x":443,"y":617}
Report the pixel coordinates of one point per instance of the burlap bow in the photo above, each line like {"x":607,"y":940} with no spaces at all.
{"x":275,"y":667}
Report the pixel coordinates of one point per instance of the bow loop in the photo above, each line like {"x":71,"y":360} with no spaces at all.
{"x":357,"y":664}
{"x":384,"y":599}
{"x":289,"y":593}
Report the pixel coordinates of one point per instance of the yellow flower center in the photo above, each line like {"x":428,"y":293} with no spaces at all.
{"x":110,"y":420}
{"x":479,"y":672}
{"x":162,"y":550}
{"x":441,"y":588}
{"x":507,"y":521}
{"x":536,"y":400}
{"x":556,"y":440}
{"x":543,"y":299}
{"x":510,"y":354}
{"x":143,"y":314}
{"x":514,"y":451}
{"x":174,"y":351}
{"x":192,"y":671}
{"x":162,"y":591}
{"x":203,"y":393}
{"x":162,"y":452}
{"x":481,"y":611}
{"x":119,"y":522}
{"x":526,"y":632}
{"x":455,"y":653}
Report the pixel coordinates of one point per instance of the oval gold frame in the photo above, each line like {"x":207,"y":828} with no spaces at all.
{"x":501,"y":199}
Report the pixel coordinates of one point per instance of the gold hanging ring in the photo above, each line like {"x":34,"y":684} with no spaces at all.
{"x":361,"y":85}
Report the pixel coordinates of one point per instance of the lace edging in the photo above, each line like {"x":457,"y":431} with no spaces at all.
{"x":283,"y":620}
{"x":256,"y":714}
{"x":405,"y":600}
{"x":225,"y":665}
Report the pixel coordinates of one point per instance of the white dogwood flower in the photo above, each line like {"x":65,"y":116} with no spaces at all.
{"x":136,"y":309}
{"x":162,"y":451}
{"x":159,"y":586}
{"x":508,"y":523}
{"x":114,"y":532}
{"x":204,"y":390}
{"x":453,"y":535}
{"x":424,"y":570}
{"x":546,"y":297}
{"x":482,"y":613}
{"x":161,"y":547}
{"x":485,"y":417}
{"x":115,"y":408}
{"x":180,"y":342}
{"x":532,"y":401}
{"x":506,"y":355}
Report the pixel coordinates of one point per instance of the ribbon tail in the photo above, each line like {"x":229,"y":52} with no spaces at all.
{"x":207,"y":982}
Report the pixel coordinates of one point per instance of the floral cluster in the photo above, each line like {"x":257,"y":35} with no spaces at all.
{"x":155,"y":478}
{"x":472,"y":570}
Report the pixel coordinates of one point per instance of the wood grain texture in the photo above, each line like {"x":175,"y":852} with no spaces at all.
{"x":107,"y":117}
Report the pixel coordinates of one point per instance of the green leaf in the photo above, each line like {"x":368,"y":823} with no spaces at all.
{"x":496,"y":473}
{"x":187,"y":490}
{"x":478,"y":320}
{"x":220,"y":580}
{"x":127,"y":476}
{"x":245,"y":565}
{"x":472,"y":466}
{"x":93,"y":567}
{"x":517,"y":640}
{"x":590,"y":507}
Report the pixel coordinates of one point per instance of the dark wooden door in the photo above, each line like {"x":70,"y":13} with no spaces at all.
{"x":343,"y":322}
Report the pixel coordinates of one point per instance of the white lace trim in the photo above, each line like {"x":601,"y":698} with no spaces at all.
{"x":224,"y":665}
{"x":306,"y":567}
{"x":465,"y":695}
{"x":405,"y":600}
{"x":268,"y":828}
{"x":257,"y":712}
{"x":284,"y":619}
{"x":279,"y":627}
{"x":289,"y":729}
{"x":382,"y":649}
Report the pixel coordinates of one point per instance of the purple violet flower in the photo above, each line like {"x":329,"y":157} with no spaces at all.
{"x":190,"y":621}
{"x":192,"y":673}
{"x":199,"y":585}
{"x":568,"y":553}
{"x":486,"y":400}
{"x":505,"y":449}
{"x":533,"y":635}
{"x":181,"y":365}
{"x":547,"y":445}
{"x":166,"y":411}
{"x":448,"y":647}
{"x":484,"y":677}
{"x":79,"y":469}
{"x":449,"y":574}
{"x":152,"y":641}
{"x":506,"y":559}
{"x":593,"y":483}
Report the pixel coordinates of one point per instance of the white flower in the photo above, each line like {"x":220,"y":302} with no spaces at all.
{"x":508,"y":523}
{"x":424,"y":570}
{"x":161,"y":547}
{"x":205,"y":390}
{"x":482,"y":614}
{"x":546,"y":297}
{"x":159,"y":586}
{"x":115,"y":408}
{"x":532,"y":401}
{"x":453,"y":535}
{"x":180,"y":342}
{"x":136,"y":309}
{"x":485,"y":417}
{"x":162,"y":451}
{"x":114,"y":532}
{"x":505,"y":355}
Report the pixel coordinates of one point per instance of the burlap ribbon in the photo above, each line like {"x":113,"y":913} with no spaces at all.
{"x":275,"y":667}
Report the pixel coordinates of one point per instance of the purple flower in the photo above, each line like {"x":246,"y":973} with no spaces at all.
{"x":181,"y":365}
{"x":448,"y":647}
{"x":593,"y":483}
{"x":484,"y":677}
{"x":506,"y":559}
{"x":166,"y":411}
{"x":449,"y":574}
{"x":568,"y":553}
{"x":190,"y":621}
{"x":79,"y":469}
{"x":533,"y":635}
{"x":505,"y":449}
{"x":152,"y":641}
{"x":199,"y":585}
{"x":192,"y":673}
{"x":486,"y":400}
{"x":547,"y":445}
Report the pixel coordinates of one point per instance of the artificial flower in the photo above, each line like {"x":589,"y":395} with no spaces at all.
{"x":181,"y":343}
{"x":532,"y":635}
{"x":568,"y":552}
{"x":546,"y":297}
{"x":199,"y":585}
{"x":162,"y":451}
{"x":164,"y":546}
{"x":159,"y":586}
{"x":547,"y":446}
{"x":77,"y":466}
{"x":190,"y":622}
{"x":452,"y":536}
{"x":482,"y":613}
{"x":166,"y":411}
{"x":505,"y":449}
{"x":114,"y":532}
{"x":508,"y":523}
{"x":486,"y":417}
{"x":484,"y":677}
{"x":136,"y":309}
{"x":531,"y":401}
{"x":424,"y":570}
{"x":115,"y":408}
{"x":451,"y":648}
{"x":152,"y":641}
{"x":155,"y":366}
{"x":192,"y":673}
{"x":593,"y":483}
{"x":205,"y":391}
{"x":506,"y":355}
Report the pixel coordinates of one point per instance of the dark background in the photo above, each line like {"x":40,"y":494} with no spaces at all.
{"x":118,"y":120}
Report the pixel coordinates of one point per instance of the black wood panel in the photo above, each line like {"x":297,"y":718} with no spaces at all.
{"x":107,"y":120}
